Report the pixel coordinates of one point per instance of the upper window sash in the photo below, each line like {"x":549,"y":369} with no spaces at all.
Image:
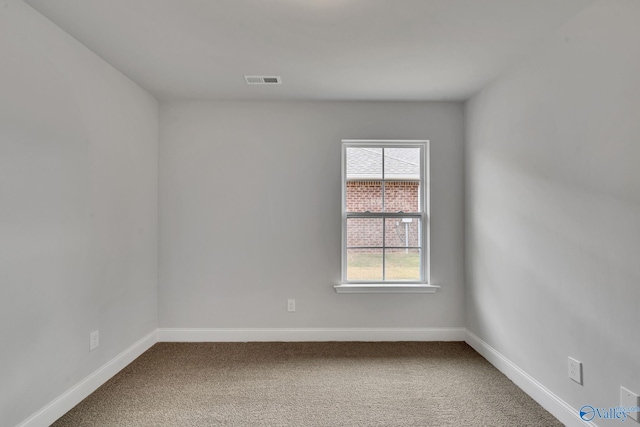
{"x":378,"y":164}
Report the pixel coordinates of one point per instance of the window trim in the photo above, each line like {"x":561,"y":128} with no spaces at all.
{"x":421,"y":286}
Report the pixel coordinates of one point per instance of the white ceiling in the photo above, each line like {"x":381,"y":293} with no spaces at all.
{"x":323,"y":49}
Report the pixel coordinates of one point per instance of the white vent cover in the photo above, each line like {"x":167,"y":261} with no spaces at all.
{"x":263,"y":80}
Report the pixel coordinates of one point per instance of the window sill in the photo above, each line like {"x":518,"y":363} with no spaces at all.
{"x":396,"y":288}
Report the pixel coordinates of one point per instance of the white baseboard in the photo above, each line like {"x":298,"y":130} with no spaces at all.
{"x":309,"y":334}
{"x":548,"y":400}
{"x":63,"y":403}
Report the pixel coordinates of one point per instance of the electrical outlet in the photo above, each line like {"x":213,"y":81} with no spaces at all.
{"x":94,"y":340}
{"x":629,"y":399}
{"x":575,"y":370}
{"x":291,"y":305}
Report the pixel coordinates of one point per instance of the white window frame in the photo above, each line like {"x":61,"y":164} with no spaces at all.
{"x":421,"y":286}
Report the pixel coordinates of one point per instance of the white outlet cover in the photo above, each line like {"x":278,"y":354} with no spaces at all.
{"x":291,"y":305}
{"x":94,"y":340}
{"x":629,"y":399}
{"x":575,"y":370}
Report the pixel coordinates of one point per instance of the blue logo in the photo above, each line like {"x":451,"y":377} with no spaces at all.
{"x":588,"y":412}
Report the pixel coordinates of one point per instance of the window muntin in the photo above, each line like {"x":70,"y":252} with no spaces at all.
{"x":384,"y":212}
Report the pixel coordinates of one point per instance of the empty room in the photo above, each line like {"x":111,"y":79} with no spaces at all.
{"x":319,"y":213}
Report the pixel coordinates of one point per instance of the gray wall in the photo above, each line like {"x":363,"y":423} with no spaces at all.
{"x":78,"y":212}
{"x":553,"y":208}
{"x":250,"y":213}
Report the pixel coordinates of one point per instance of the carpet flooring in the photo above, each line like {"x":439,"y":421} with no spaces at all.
{"x":309,"y":384}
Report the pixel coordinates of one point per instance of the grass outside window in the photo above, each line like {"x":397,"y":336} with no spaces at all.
{"x":400,"y":265}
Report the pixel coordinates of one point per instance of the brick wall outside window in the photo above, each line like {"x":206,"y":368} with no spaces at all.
{"x":367,"y":196}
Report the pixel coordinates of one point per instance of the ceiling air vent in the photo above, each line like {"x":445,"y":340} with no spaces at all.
{"x":263,"y":80}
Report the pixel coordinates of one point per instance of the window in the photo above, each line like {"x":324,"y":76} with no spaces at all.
{"x":385,"y":222}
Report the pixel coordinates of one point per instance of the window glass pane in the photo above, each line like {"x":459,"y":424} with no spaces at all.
{"x":364,"y":232}
{"x":402,"y":264}
{"x":364,"y":179}
{"x":402,"y":196}
{"x":364,"y":264}
{"x":364,"y":163}
{"x":364,"y":196}
{"x":402,"y":232}
{"x":402,"y":179}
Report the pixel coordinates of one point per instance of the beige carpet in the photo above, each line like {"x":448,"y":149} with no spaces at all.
{"x":309,"y":384}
